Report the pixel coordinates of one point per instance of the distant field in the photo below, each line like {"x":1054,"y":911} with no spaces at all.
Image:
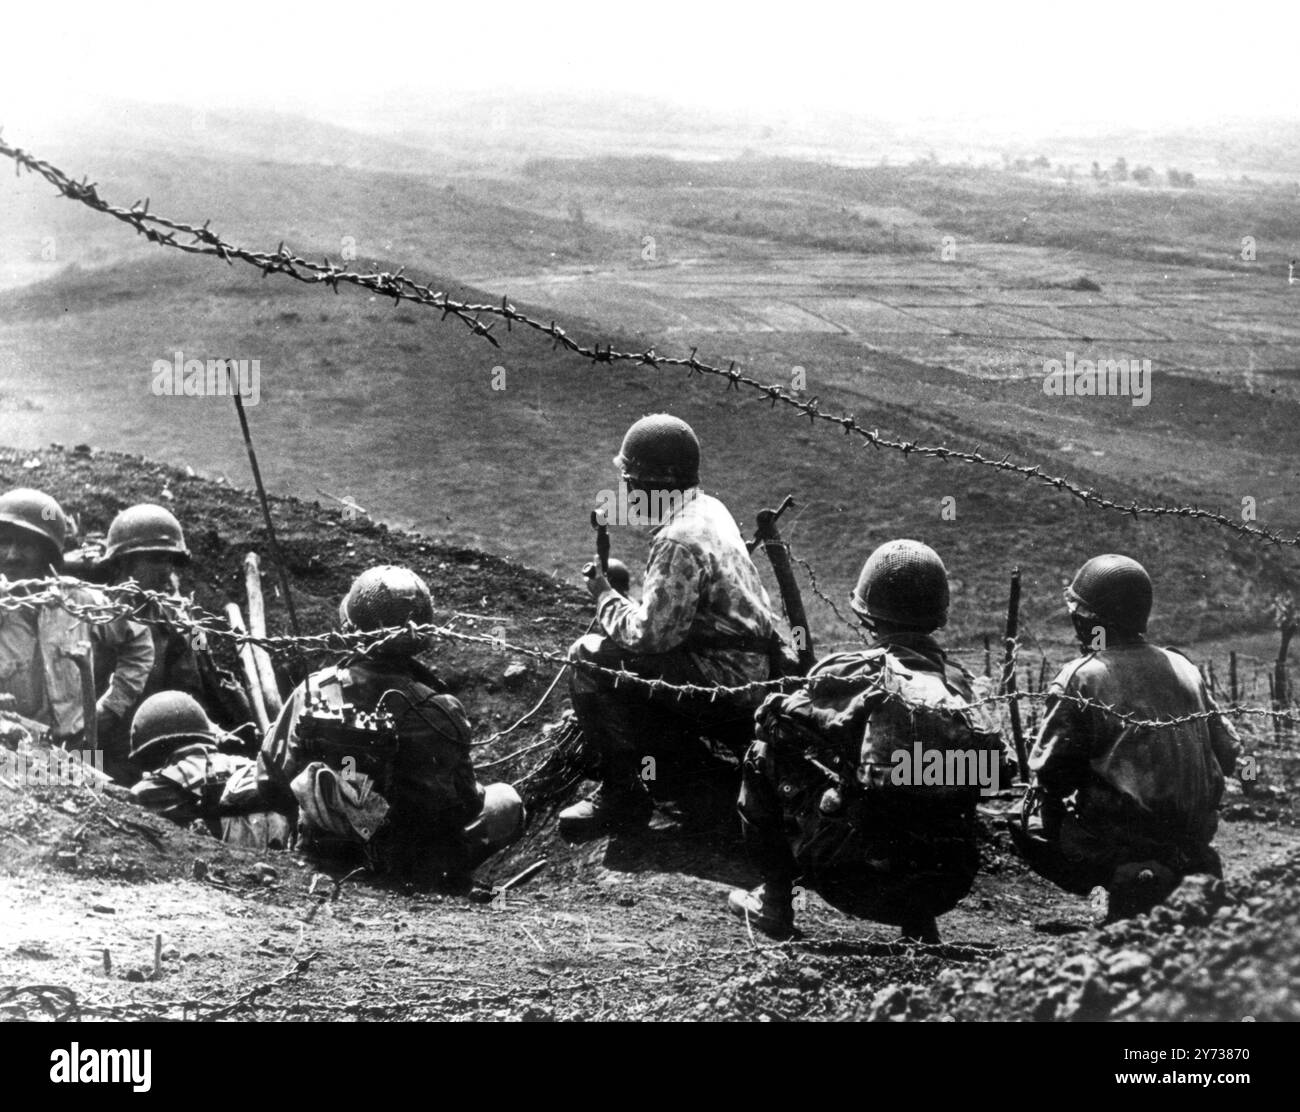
{"x":835,"y":271}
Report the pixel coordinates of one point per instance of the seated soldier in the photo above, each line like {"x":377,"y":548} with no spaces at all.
{"x":369,"y":754}
{"x":832,"y":798}
{"x":1117,"y":808}
{"x":146,"y":545}
{"x":704,"y":618}
{"x":189,"y":778}
{"x":47,"y":653}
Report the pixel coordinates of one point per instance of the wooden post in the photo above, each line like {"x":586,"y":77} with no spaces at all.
{"x":257,"y":627}
{"x":988,"y":658}
{"x":251,"y":683}
{"x":1232,"y":676}
{"x":1280,"y":693}
{"x":1009,"y":674}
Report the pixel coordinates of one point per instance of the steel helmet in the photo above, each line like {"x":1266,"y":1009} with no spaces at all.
{"x":164,"y":723}
{"x":387,"y":596}
{"x":661,"y":448}
{"x":903,"y":582}
{"x":36,"y":513}
{"x":146,"y":528}
{"x":1114,"y":591}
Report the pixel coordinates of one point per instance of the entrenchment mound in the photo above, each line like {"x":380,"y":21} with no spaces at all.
{"x":627,"y":928}
{"x":1212,"y":952}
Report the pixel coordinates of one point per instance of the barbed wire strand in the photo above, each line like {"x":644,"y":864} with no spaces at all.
{"x":131,"y":601}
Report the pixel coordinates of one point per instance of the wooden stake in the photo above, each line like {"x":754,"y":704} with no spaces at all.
{"x":257,"y":627}
{"x":251,"y":683}
{"x":1009,"y":674}
{"x":1280,"y":693}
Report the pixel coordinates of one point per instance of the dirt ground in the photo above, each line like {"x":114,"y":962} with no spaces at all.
{"x":107,"y":911}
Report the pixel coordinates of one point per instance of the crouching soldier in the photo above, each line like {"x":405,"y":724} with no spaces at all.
{"x":146,"y":546}
{"x":189,"y":778}
{"x":47,"y":653}
{"x":704,"y":618}
{"x":1115,"y":807}
{"x":370,"y":754}
{"x":862,"y":785}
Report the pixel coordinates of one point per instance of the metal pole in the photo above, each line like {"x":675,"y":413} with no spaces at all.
{"x":266,"y":513}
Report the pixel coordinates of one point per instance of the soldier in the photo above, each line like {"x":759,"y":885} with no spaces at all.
{"x":188,"y":777}
{"x":47,"y":653}
{"x":370,"y":753}
{"x":1116,"y":808}
{"x":832,"y":798}
{"x":703,"y":618}
{"x":146,"y":545}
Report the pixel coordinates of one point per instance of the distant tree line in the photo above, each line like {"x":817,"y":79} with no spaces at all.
{"x":1119,"y":171}
{"x":1143,"y":175}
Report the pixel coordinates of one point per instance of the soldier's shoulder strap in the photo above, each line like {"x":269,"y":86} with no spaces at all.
{"x":1069,"y":671}
{"x":428,"y":676}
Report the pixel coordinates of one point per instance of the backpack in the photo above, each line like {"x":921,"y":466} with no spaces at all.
{"x":922,"y":738}
{"x":349,"y":740}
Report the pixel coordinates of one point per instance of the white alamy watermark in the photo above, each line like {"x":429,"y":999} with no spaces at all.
{"x":200,"y":378}
{"x":1121,"y":378}
{"x":951,"y":768}
{"x":45,"y":768}
{"x":627,"y":506}
{"x":91,"y":1066}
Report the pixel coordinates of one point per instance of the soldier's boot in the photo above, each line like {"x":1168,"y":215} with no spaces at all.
{"x":769,"y":908}
{"x":1137,"y":887}
{"x":923,"y":928}
{"x":1099,"y":906}
{"x":617,"y":805}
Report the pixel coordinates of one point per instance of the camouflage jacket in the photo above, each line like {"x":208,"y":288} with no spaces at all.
{"x":191,"y":784}
{"x":1164,"y":783}
{"x":701,"y":590}
{"x":35,"y":667}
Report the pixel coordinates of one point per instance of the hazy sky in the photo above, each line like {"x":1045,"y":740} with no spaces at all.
{"x":1040,"y":64}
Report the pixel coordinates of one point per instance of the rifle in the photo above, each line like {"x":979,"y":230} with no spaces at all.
{"x":770,"y":538}
{"x":601,"y":526}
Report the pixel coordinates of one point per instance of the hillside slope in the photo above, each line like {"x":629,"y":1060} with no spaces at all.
{"x":624,"y":928}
